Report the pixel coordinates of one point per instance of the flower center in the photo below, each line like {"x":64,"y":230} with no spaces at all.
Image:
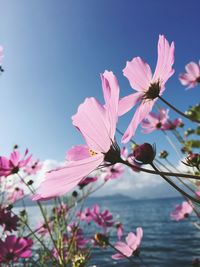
{"x":113,"y":155}
{"x":9,"y":256}
{"x":198,"y":79}
{"x":15,"y":169}
{"x":153,"y":91}
{"x":158,"y":125}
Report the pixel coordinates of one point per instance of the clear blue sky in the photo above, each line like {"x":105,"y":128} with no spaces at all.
{"x":55,"y":50}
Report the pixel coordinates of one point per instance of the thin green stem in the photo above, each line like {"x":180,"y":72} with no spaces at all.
{"x":190,"y":176}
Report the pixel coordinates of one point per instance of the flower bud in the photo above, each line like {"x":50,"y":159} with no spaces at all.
{"x":102,"y":240}
{"x":163,"y":154}
{"x":193,"y":160}
{"x":144,"y":154}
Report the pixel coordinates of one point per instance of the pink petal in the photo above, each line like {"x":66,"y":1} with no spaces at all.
{"x":128,"y":102}
{"x":61,"y":181}
{"x":193,"y":69}
{"x":165,"y":61}
{"x":78,"y":153}
{"x":138,"y":73}
{"x":131,"y":241}
{"x":117,"y":256}
{"x":142,"y":111}
{"x":91,"y":120}
{"x":124,"y":248}
{"x":111,"y":95}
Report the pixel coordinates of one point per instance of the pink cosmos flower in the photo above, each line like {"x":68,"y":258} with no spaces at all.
{"x":14,"y":195}
{"x":149,"y":87}
{"x":13,"y":164}
{"x":131,"y":246}
{"x":182,"y":211}
{"x":42,"y":228}
{"x":113,"y":172}
{"x":97,"y":124}
{"x":192,"y":75}
{"x":102,"y":219}
{"x":77,"y":235}
{"x":85,"y":215}
{"x":33,"y":167}
{"x":171,"y":125}
{"x":14,"y":248}
{"x":155,"y":121}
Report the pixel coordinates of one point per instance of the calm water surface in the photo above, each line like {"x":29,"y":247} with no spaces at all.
{"x":166,"y":243}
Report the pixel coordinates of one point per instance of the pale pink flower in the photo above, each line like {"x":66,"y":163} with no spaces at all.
{"x":85,"y":215}
{"x":182,"y":211}
{"x":155,"y":121}
{"x":13,"y":164}
{"x":14,"y":195}
{"x":191,"y":77}
{"x":97,"y":124}
{"x":149,"y":87}
{"x":33,"y":167}
{"x":113,"y":172}
{"x":171,"y":125}
{"x":14,"y":248}
{"x":131,"y":246}
{"x":42,"y":228}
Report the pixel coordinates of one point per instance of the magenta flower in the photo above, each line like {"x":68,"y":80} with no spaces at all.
{"x":14,"y":248}
{"x":192,"y":76}
{"x":149,"y":87}
{"x":13,"y":164}
{"x":97,"y":124}
{"x":7,"y":221}
{"x":182,"y":211}
{"x":102,"y":219}
{"x":131,"y":247}
{"x":86,"y":181}
{"x":155,"y":121}
{"x":77,"y":235}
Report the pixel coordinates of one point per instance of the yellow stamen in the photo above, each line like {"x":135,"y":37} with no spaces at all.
{"x":92,"y":153}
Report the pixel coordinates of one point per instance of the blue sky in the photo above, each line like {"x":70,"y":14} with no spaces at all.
{"x":55,"y":50}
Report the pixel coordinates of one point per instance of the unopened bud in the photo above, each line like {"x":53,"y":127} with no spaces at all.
{"x":163,"y":154}
{"x":144,"y":154}
{"x":102,"y":240}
